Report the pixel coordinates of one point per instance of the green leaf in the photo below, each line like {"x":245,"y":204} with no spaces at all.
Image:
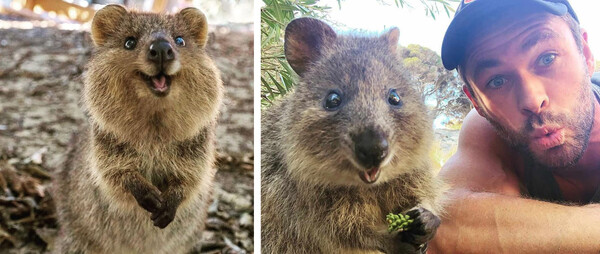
{"x":281,"y":89}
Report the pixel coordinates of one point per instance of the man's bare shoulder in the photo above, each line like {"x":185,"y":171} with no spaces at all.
{"x":477,"y":132}
{"x":483,"y":161}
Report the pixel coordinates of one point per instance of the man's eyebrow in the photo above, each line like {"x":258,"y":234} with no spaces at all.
{"x":536,"y":38}
{"x":484,"y":64}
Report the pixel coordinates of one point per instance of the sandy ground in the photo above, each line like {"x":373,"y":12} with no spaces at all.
{"x":40,"y":72}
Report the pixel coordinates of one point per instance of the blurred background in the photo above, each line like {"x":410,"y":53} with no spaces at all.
{"x":44,"y":46}
{"x":217,"y":11}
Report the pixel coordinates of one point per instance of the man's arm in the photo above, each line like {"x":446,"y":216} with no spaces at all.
{"x":486,"y":213}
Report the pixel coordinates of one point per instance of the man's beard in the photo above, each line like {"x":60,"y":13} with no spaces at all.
{"x":579,"y":120}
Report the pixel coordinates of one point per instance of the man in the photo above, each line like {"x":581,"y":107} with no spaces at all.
{"x":527,"y":171}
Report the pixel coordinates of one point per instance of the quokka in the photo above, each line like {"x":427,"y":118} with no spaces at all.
{"x":347,"y":147}
{"x":139,"y":177}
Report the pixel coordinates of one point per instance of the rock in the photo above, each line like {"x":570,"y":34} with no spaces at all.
{"x":239,"y":202}
{"x":215,"y":223}
{"x":234,"y":249}
{"x":47,"y":235}
{"x":243,"y":238}
{"x":241,"y":234}
{"x":223,"y":215}
{"x":36,"y":69}
{"x":247,"y":244}
{"x":246,"y":220}
{"x":214,"y":207}
{"x":13,"y":161}
{"x":208,"y":235}
{"x":36,"y":157}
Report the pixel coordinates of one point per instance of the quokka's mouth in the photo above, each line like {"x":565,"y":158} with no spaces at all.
{"x":159,"y":84}
{"x":370,"y":176}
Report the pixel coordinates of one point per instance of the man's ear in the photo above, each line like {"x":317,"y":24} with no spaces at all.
{"x":196,"y":23}
{"x":106,"y":21}
{"x":469,"y":94}
{"x":587,"y":53}
{"x":305,"y":39}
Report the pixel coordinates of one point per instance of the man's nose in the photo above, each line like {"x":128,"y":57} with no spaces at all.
{"x":533,"y":98}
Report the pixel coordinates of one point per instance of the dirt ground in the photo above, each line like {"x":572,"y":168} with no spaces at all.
{"x":40,"y":81}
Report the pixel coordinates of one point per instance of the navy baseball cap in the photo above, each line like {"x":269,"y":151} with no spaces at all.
{"x":473,"y":12}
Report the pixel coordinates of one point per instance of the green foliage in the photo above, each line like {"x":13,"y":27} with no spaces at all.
{"x":432,"y":7}
{"x":398,"y":222}
{"x":433,"y":81}
{"x":277,"y":76}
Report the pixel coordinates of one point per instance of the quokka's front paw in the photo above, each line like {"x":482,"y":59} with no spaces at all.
{"x":423,"y":228}
{"x":163,"y":217}
{"x":414,"y":237}
{"x":151,"y":200}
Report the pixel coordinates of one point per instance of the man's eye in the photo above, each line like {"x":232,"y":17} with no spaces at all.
{"x":496,"y":82}
{"x":546,"y":60}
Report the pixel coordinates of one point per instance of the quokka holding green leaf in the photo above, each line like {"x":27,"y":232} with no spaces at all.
{"x":349,"y":146}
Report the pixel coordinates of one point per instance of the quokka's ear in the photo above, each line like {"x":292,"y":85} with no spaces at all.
{"x":304,"y":42}
{"x":391,"y":37}
{"x":196,"y":23}
{"x":106,"y":22}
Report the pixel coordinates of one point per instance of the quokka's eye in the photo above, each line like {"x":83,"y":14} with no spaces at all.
{"x":179,"y":41}
{"x":333,"y":101}
{"x":394,"y":98}
{"x":130,"y":43}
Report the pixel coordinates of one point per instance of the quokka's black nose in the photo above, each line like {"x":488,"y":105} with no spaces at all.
{"x":160,"y":52}
{"x":370,"y":148}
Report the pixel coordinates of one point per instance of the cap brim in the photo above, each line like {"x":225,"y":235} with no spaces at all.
{"x":476,"y":14}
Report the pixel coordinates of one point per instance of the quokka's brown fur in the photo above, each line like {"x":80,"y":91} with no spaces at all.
{"x":140,"y":176}
{"x":313,"y":200}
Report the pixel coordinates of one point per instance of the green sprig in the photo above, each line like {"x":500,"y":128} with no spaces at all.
{"x":398,"y":222}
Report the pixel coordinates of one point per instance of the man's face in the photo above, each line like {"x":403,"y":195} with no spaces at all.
{"x":532,"y":84}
